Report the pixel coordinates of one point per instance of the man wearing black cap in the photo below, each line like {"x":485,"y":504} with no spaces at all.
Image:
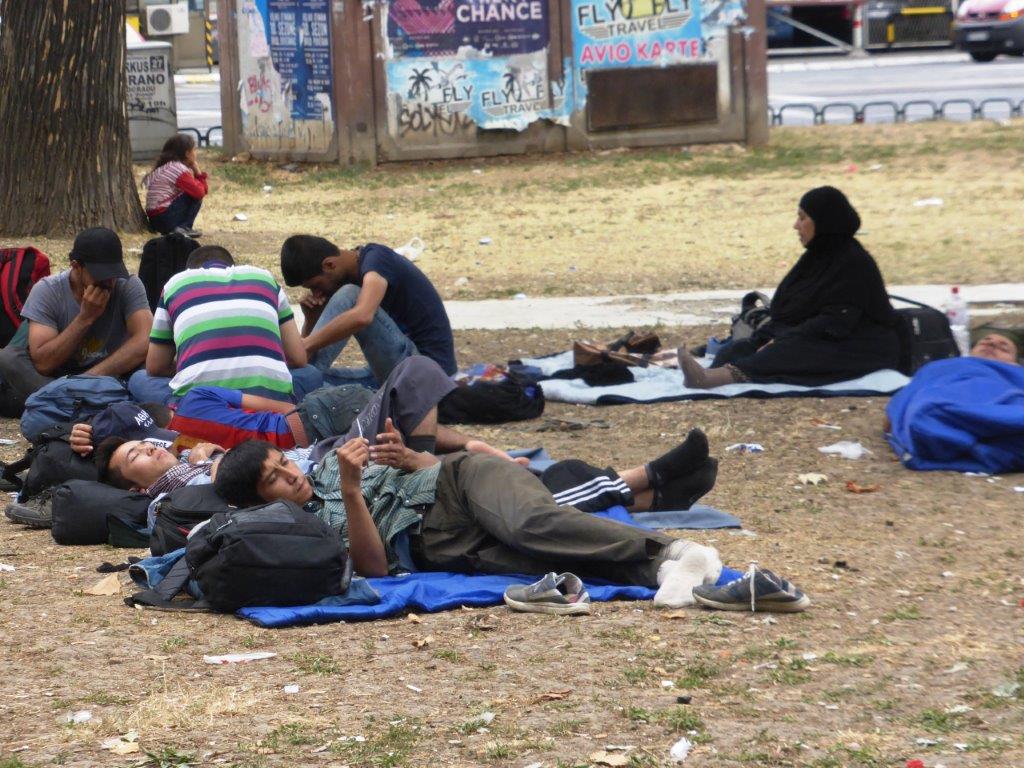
{"x":92,"y":318}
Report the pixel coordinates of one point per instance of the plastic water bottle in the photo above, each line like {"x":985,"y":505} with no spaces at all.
{"x":959,"y":319}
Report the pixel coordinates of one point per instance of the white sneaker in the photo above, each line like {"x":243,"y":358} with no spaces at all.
{"x":688,"y":565}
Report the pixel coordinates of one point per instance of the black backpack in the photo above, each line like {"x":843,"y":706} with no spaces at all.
{"x":272,"y":555}
{"x":88,"y":512}
{"x":20,"y":269}
{"x":50,"y":461}
{"x":489,"y":402}
{"x":162,"y":258}
{"x":924,"y":334}
{"x":179,"y":512}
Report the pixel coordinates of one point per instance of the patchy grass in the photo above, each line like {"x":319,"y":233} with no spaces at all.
{"x":904,"y":613}
{"x":556,"y":685}
{"x":792,"y":672}
{"x":848,"y":660}
{"x":316,"y":664}
{"x":646,"y":220}
{"x":169,"y":757}
{"x":696,"y":674}
{"x":389,"y":745}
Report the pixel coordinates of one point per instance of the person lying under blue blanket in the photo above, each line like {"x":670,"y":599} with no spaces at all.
{"x":402,"y":510}
{"x":964,"y":414}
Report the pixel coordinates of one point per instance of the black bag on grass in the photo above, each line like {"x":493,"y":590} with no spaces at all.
{"x":162,"y":258}
{"x":84,"y":509}
{"x":50,"y":461}
{"x":489,"y":402}
{"x":179,"y":512}
{"x":924,"y":334}
{"x":275,"y":554}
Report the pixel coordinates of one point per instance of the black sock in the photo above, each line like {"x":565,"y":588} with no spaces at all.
{"x":682,"y":459}
{"x":682,"y":492}
{"x":422,"y":443}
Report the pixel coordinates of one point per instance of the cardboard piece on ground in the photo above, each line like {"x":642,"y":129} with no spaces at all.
{"x":108,"y":585}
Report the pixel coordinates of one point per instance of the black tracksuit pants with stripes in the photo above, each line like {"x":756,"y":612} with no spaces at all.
{"x":494,"y":516}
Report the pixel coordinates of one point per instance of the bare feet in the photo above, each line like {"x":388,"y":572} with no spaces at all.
{"x":479,"y":446}
{"x":696,"y":376}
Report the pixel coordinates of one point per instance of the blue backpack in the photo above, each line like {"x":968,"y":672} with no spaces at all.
{"x":69,"y":399}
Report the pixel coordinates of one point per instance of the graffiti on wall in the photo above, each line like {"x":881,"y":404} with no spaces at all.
{"x":285,"y":74}
{"x":455,"y":64}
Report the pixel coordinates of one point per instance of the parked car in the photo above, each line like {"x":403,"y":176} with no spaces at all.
{"x":986,"y":28}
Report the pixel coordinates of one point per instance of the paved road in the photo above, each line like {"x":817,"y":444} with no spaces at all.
{"x":198,"y":105}
{"x":679,"y":309}
{"x":935,"y":77}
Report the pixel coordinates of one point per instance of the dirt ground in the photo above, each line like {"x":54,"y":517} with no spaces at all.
{"x":910,"y":650}
{"x":645,"y":220}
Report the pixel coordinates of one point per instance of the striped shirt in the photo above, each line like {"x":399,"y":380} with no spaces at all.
{"x":225,"y":324}
{"x":170,"y":181}
{"x":392,"y":497}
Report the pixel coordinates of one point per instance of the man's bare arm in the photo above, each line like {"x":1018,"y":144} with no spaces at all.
{"x":160,"y":360}
{"x":258,"y":403}
{"x":294,"y":351}
{"x":364,"y":543}
{"x":371,"y":294}
{"x":49,"y":350}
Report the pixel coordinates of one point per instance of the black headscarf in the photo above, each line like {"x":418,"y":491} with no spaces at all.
{"x":835,"y":270}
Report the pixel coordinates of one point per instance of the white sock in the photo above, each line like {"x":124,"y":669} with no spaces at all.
{"x":693,"y":565}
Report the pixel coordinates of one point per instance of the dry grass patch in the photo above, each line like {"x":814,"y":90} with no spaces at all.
{"x":649,"y":220}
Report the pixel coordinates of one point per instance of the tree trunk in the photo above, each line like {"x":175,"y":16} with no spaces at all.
{"x":65,"y":157}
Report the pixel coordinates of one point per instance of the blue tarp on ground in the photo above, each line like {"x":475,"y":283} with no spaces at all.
{"x":964,"y":414}
{"x":440,"y":591}
{"x":426,"y":592}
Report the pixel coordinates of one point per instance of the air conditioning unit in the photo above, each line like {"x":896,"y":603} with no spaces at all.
{"x":169,"y":19}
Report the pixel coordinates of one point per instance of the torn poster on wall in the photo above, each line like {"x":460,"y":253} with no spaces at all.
{"x":452,"y":64}
{"x":719,"y":15}
{"x":285,"y":76}
{"x":633,"y":33}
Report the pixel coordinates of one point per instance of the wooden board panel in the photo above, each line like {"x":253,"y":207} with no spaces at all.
{"x":622,"y":99}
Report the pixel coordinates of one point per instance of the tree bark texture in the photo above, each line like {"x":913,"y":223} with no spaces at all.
{"x":65,"y":156}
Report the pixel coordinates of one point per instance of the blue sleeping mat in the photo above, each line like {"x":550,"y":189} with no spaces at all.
{"x":427,"y":592}
{"x":434,"y":591}
{"x":963,"y":414}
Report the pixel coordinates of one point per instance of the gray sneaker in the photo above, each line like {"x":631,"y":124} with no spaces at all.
{"x":756,"y":590}
{"x":562,"y":594}
{"x":35,"y":513}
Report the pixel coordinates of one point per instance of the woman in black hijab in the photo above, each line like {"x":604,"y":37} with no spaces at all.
{"x":831,"y":319}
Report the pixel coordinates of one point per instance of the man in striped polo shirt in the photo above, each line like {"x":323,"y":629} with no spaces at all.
{"x":224,"y":325}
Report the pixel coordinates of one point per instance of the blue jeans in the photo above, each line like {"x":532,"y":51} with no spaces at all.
{"x":181,"y":212}
{"x":383,"y":343}
{"x":157,"y":389}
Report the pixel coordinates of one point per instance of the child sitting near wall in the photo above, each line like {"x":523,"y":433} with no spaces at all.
{"x":175,"y":188}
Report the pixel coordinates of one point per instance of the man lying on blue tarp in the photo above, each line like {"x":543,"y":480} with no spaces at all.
{"x":399,"y":509}
{"x":966,"y":413}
